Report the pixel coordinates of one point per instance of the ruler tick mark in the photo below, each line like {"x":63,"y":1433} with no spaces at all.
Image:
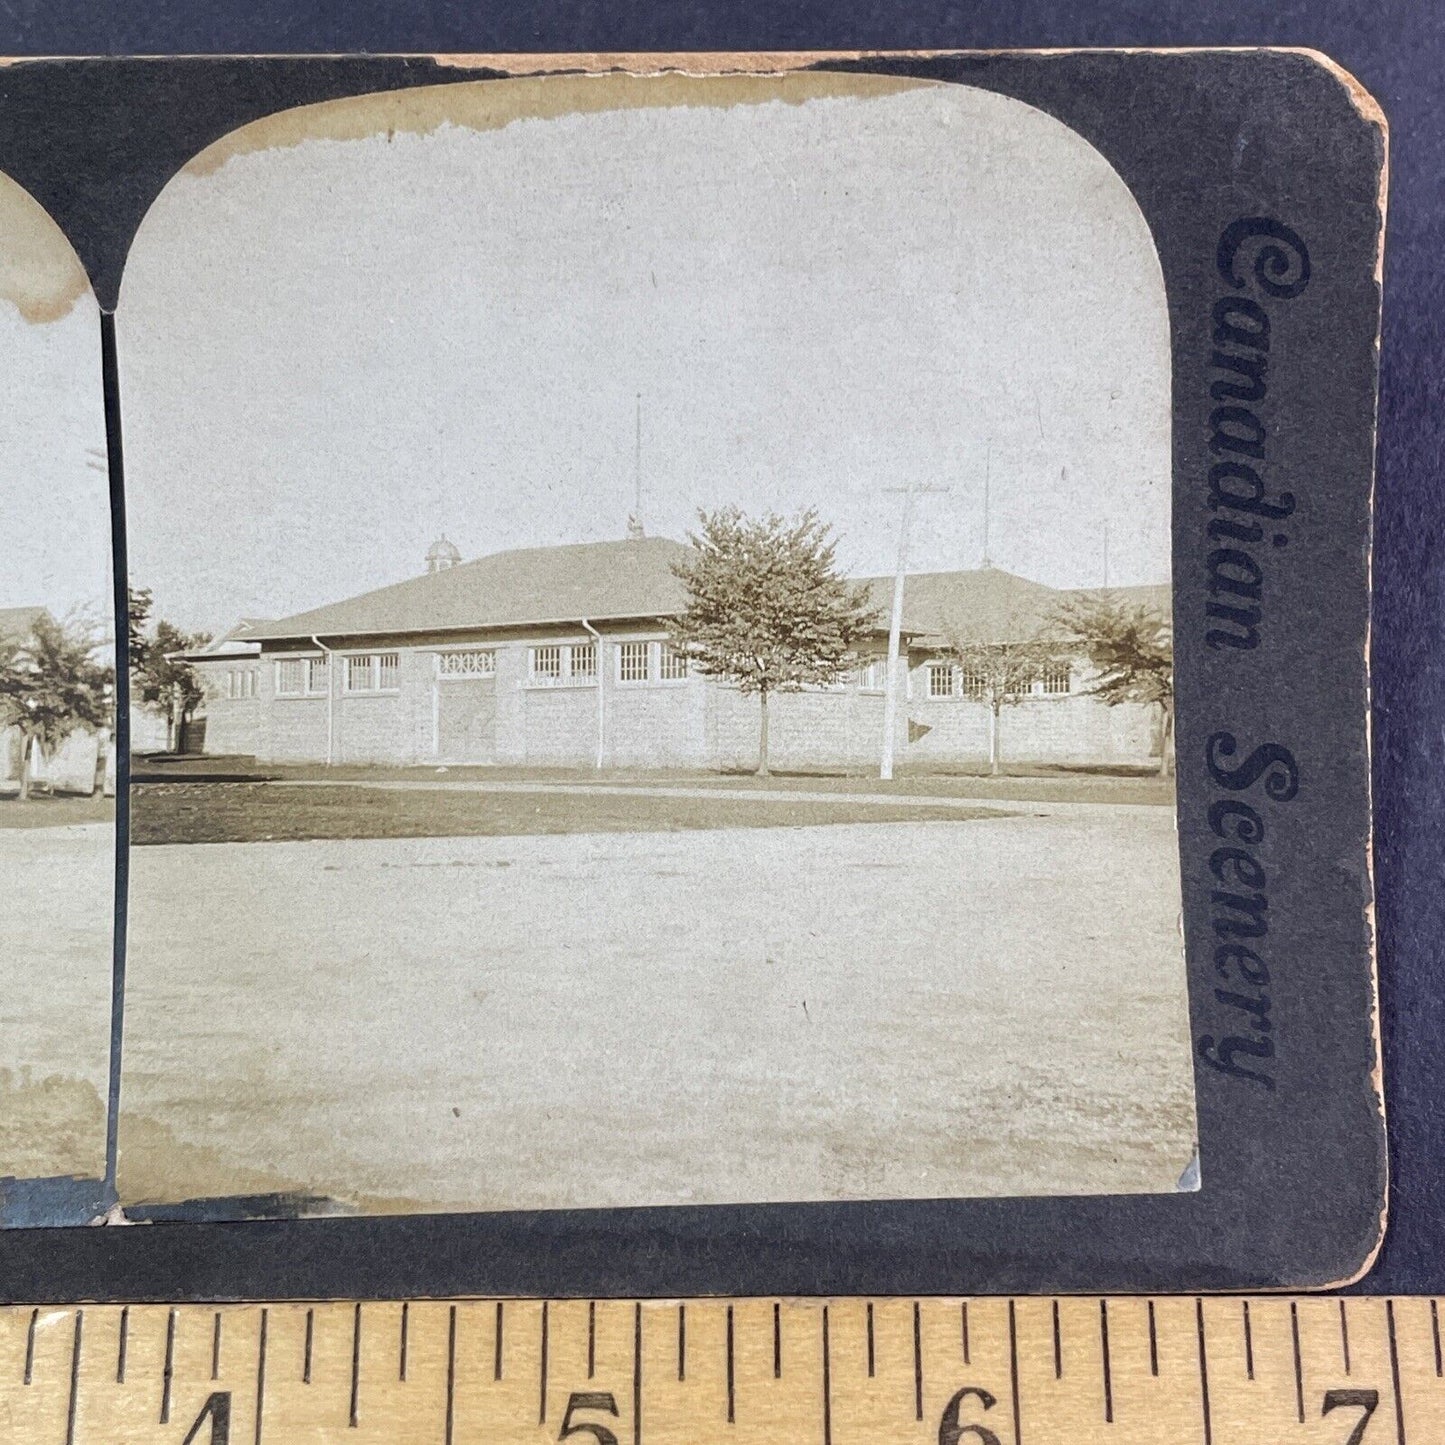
{"x":355,"y":1365}
{"x":120,"y":1347}
{"x":1153,"y":1344}
{"x":168,"y":1369}
{"x":1299,"y":1376}
{"x":964,"y":1312}
{"x":637,"y":1374}
{"x":778,"y":1340}
{"x":682,"y":1342}
{"x":74,"y":1378}
{"x":1108,"y":1364}
{"x":401,"y":1354}
{"x":591,"y":1338}
{"x":260,"y":1377}
{"x":1248,"y":1343}
{"x":1395,"y":1372}
{"x":1013,"y":1370}
{"x":1203,"y":1372}
{"x":542,"y":1403}
{"x":1435,"y":1332}
{"x":917,"y":1364}
{"x":870,"y":1340}
{"x":306,"y":1349}
{"x":30,"y":1345}
{"x":1345,"y":1338}
{"x":452,"y":1372}
{"x":827,"y":1385}
{"x":730,"y":1365}
{"x":497,"y":1358}
{"x":216,"y":1346}
{"x":1058,"y":1346}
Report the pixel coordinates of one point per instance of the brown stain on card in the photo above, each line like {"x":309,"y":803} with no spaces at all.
{"x":157,"y":1167}
{"x":40,"y":274}
{"x":49,"y":1126}
{"x":493,"y":104}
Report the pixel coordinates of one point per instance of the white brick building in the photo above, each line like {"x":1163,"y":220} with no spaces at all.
{"x":559,"y":657}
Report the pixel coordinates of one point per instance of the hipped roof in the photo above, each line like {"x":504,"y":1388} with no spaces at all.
{"x":632,"y":580}
{"x":533,"y":586}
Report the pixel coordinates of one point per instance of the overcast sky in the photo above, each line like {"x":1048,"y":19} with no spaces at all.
{"x":54,"y":500}
{"x":334,"y":349}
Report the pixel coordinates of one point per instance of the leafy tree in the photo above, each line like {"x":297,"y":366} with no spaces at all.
{"x":138,"y":617}
{"x":767,"y":607}
{"x":163,"y":681}
{"x":52,"y":684}
{"x":1130,"y":647}
{"x":998,"y":674}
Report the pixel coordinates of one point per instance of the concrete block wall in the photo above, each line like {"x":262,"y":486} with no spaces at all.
{"x":558,"y":726}
{"x":691,"y":723}
{"x":148,"y":731}
{"x":373,"y":729}
{"x":232,"y":725}
{"x":834,"y":728}
{"x":466,"y":729}
{"x":647,"y":725}
{"x":386,"y":727}
{"x":658,"y":725}
{"x":292,"y":729}
{"x":1071,"y":729}
{"x":956,"y":732}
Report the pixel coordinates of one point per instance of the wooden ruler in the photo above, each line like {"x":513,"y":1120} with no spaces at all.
{"x":988,"y":1371}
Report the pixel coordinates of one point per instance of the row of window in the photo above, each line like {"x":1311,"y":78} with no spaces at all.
{"x":361,"y":673}
{"x":558,"y":664}
{"x":236,"y":682}
{"x":302,"y":676}
{"x":948,"y":679}
{"x":574,"y":664}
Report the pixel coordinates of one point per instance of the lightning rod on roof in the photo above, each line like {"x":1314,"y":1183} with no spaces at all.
{"x":635,"y":530}
{"x":987,"y":467}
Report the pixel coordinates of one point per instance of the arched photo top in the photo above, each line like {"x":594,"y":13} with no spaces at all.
{"x":454,"y":297}
{"x":423,"y":395}
{"x":57,"y":727}
{"x":40,"y":274}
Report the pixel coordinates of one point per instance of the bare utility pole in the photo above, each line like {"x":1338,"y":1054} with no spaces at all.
{"x":895,"y":623}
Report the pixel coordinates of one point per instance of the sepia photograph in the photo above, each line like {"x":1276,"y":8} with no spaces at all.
{"x":57,"y":717}
{"x":650,"y":657}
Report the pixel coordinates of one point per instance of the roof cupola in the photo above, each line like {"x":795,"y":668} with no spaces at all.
{"x":441,"y":555}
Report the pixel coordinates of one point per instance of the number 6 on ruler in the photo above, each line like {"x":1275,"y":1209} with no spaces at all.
{"x":950,"y":1432}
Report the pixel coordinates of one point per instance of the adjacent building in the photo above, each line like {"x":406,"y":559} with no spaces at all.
{"x":559,"y":657}
{"x":83,"y":762}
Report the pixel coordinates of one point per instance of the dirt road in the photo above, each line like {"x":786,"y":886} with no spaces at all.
{"x":987,"y":1006}
{"x":55,"y":972}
